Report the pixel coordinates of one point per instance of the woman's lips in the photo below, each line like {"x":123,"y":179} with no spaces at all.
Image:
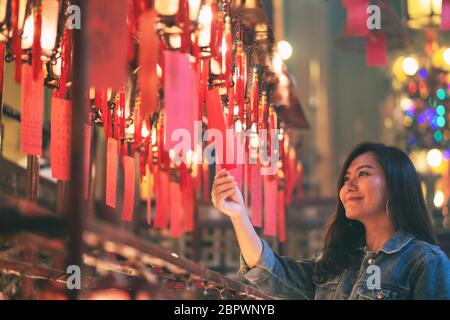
{"x":352,"y":199}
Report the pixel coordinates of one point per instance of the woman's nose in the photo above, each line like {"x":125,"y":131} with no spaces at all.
{"x":350,"y":185}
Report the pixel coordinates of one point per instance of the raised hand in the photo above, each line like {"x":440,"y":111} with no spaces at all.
{"x":226,"y":196}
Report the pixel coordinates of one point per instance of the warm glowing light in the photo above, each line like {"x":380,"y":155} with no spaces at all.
{"x":406,"y":104}
{"x":439,"y":199}
{"x":215,"y":67}
{"x":410,"y":66}
{"x":28,"y":32}
{"x":434,"y":158}
{"x":446,"y":55}
{"x":285,"y":49}
{"x":158,"y":71}
{"x":154,"y":136}
{"x":423,"y":13}
{"x":167,"y":7}
{"x":277,"y":63}
{"x":238,"y":126}
{"x":194,"y":9}
{"x":172,"y":154}
{"x":50,"y":14}
{"x":189,"y":157}
{"x":175,"y":41}
{"x":205,"y":19}
{"x":144,"y":131}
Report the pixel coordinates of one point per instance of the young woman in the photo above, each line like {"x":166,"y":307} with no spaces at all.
{"x":379,"y":243}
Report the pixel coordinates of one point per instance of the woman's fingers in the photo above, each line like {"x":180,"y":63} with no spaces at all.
{"x":225,"y":186}
{"x":222,"y":180}
{"x":225,"y":195}
{"x":221,"y":173}
{"x":219,"y":190}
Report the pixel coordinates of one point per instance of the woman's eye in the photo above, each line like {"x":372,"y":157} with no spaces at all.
{"x":363,"y":173}
{"x":346,"y":179}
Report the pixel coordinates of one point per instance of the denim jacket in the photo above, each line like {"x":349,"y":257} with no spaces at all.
{"x":405,"y":268}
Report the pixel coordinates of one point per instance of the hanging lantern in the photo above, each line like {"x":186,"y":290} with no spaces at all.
{"x":50,"y":14}
{"x":167,"y":7}
{"x":205,"y":20}
{"x":28,"y":32}
{"x":424,"y":13}
{"x":6,"y":18}
{"x":4,"y":28}
{"x":194,"y":9}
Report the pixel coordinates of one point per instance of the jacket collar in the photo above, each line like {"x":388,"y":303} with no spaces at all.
{"x":398,"y":240}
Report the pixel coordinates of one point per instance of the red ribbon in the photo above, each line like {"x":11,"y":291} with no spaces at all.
{"x":213,"y":29}
{"x":111,"y":172}
{"x":148,"y":60}
{"x":122,"y":115}
{"x":105,"y":113}
{"x":256,"y":195}
{"x":16,"y":41}
{"x":162,"y":199}
{"x":270,"y":205}
{"x":129,"y":188}
{"x":229,"y":52}
{"x":37,"y":49}
{"x":376,"y":49}
{"x":183,"y":18}
{"x":240,"y":85}
{"x":255,"y":97}
{"x":66,"y":57}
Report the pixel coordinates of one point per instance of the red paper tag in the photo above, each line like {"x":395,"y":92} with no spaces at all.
{"x":107,"y":38}
{"x":357,"y":18}
{"x":376,"y":50}
{"x":148,"y":59}
{"x":270,"y":206}
{"x":61,"y":138}
{"x":129,"y":189}
{"x":281,"y":217}
{"x":175,"y":210}
{"x":180,"y":85}
{"x":87,"y":159}
{"x":237,"y":173}
{"x":256,"y":195}
{"x":32,"y":112}
{"x":162,"y":199}
{"x":445,"y":24}
{"x":216,"y":120}
{"x":112,"y":159}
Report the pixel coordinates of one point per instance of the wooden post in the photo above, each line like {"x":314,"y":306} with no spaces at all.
{"x":76,"y":210}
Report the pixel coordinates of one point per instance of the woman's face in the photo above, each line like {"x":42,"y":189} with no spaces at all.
{"x":364,"y":193}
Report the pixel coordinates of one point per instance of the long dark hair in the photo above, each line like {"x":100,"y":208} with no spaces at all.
{"x":344,"y":238}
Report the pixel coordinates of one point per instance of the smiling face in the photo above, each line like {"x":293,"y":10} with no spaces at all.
{"x":364,"y":192}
